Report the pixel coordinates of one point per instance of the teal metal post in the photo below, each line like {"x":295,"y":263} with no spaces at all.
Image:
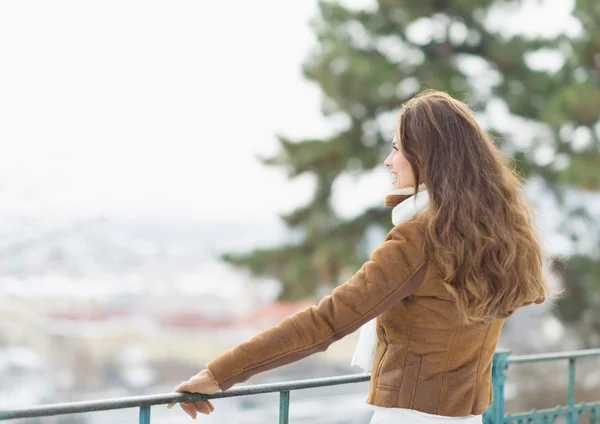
{"x":144,"y":414}
{"x":594,"y":415}
{"x":571,"y":393}
{"x":499,"y":367}
{"x":284,"y":407}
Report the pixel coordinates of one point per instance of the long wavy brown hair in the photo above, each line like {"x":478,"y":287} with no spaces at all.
{"x":479,"y":229}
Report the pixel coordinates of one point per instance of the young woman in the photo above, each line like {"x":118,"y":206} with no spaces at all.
{"x":462,"y":256}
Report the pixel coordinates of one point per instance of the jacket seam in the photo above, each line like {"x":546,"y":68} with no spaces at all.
{"x":436,"y":266}
{"x":386,"y":387}
{"x":408,"y":340}
{"x":479,"y":365}
{"x":445,"y":372}
{"x":414,"y":399}
{"x":300,"y":331}
{"x":380,"y":364}
{"x":310,"y":346}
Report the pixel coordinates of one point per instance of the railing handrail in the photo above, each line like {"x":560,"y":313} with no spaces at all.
{"x":165,"y":398}
{"x":546,"y":357}
{"x":496,"y":413}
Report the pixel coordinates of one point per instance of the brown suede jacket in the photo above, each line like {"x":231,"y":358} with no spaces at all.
{"x":426,"y":359}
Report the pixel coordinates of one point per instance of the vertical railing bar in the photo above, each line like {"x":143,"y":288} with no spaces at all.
{"x":284,"y":407}
{"x":499,"y":366}
{"x":594,"y":413}
{"x":144,"y":415}
{"x":571,"y":392}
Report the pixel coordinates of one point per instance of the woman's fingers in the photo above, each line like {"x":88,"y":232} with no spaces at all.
{"x":204,"y":407}
{"x":189,"y":409}
{"x":202,"y":382}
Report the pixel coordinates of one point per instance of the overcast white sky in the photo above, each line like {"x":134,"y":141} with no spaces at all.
{"x":158,"y":108}
{"x":151,"y":107}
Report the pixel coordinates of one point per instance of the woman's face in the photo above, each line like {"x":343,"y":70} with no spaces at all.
{"x":399,"y":167}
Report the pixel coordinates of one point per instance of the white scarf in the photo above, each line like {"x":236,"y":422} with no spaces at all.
{"x":367,"y":339}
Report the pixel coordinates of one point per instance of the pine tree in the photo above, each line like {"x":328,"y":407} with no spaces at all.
{"x":369,"y":61}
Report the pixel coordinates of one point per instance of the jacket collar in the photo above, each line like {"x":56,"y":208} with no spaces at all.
{"x":410,"y":207}
{"x":398,"y":196}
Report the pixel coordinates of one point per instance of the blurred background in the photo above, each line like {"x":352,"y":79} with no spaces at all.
{"x":177,"y":176}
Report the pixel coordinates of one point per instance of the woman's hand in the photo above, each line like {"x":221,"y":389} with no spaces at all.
{"x":204,"y":383}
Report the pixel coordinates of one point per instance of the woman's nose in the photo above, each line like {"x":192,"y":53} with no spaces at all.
{"x":387,"y":162}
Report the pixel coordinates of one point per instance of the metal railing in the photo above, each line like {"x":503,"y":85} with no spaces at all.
{"x":571,"y":412}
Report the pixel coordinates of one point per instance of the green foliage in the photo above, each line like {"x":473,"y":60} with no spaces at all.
{"x":578,"y":307}
{"x":368,"y":62}
{"x":582,"y":274}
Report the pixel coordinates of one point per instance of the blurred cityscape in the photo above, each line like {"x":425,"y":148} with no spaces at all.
{"x":116,"y":307}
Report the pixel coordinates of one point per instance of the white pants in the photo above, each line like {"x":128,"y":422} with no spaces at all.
{"x":409,"y":416}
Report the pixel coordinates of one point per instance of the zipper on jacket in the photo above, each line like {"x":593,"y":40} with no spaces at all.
{"x":385,"y":348}
{"x":383,"y":335}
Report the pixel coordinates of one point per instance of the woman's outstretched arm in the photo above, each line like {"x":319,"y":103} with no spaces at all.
{"x":394,"y":271}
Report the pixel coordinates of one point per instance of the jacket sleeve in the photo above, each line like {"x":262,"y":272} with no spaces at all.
{"x":394,"y":271}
